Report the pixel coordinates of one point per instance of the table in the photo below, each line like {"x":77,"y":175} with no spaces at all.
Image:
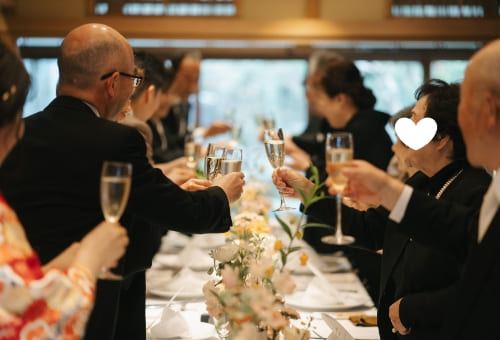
{"x":191,"y":307}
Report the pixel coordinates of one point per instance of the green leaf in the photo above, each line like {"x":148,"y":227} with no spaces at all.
{"x":292,"y":249}
{"x":285,"y":226}
{"x":318,"y":225}
{"x":301,"y":193}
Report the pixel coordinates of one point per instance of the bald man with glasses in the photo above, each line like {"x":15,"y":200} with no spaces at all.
{"x":52,"y":177}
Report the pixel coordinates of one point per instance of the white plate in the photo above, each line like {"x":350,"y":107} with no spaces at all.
{"x":180,"y":296}
{"x":299,"y":300}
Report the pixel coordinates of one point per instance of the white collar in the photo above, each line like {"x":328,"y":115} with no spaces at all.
{"x":93,"y":108}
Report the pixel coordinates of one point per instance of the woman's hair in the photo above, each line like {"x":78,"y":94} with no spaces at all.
{"x":442,"y":106}
{"x":343,"y":76}
{"x":14,"y":85}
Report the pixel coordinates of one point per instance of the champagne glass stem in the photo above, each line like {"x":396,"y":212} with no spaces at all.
{"x":338,"y":228}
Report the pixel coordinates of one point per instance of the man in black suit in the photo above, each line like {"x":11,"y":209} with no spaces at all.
{"x":474,"y":312}
{"x":52,"y":177}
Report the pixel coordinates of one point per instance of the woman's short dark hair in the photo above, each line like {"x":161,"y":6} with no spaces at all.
{"x":442,"y":106}
{"x":342,"y":76}
{"x":14,"y":85}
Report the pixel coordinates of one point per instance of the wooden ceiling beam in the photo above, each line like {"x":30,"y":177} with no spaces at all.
{"x":298,"y":31}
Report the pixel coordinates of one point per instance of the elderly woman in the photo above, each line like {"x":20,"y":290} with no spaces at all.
{"x":417,"y":281}
{"x":344,"y":102}
{"x":53,"y":301}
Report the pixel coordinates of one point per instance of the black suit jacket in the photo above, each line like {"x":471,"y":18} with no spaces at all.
{"x":473,"y":314}
{"x":423,"y":275}
{"x":52,"y":177}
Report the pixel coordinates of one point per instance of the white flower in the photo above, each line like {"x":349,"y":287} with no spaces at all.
{"x":284,"y":283}
{"x":224,"y":253}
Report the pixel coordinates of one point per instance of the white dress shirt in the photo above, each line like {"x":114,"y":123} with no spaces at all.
{"x":491,"y":202}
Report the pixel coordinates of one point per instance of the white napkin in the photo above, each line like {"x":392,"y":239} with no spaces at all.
{"x":195,"y":258}
{"x":171,"y":325}
{"x":321,"y":292}
{"x":294,"y":260}
{"x":188,"y":281}
{"x":207,"y":241}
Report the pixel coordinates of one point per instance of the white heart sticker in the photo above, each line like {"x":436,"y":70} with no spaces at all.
{"x":416,"y":136}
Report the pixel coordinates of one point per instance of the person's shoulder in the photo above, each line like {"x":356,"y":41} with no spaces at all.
{"x":369,"y":118}
{"x":478,"y":176}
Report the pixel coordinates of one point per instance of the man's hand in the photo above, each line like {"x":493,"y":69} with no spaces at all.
{"x":370,"y":185}
{"x":395,"y":320}
{"x":232,"y":184}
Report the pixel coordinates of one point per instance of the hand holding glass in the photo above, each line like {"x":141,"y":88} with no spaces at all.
{"x":339,"y":149}
{"x":116,"y":178}
{"x":274,"y":143}
{"x":213,"y":161}
{"x":232,"y":161}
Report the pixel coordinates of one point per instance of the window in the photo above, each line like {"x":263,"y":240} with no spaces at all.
{"x":448,"y":70}
{"x":445,"y":9}
{"x":182,"y":8}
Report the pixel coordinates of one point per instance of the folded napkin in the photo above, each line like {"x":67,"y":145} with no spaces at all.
{"x":295,"y":266}
{"x":320,"y":291}
{"x":194,"y":258}
{"x":171,"y":325}
{"x":207,"y":241}
{"x":188,"y":281}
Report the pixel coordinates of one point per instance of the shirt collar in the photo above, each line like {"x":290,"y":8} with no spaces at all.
{"x":93,"y":108}
{"x":496,"y":184}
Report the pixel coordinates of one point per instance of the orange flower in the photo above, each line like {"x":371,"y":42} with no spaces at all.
{"x":298,"y":235}
{"x":303,"y":259}
{"x":278,"y":245}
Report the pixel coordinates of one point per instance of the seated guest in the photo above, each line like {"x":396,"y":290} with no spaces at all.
{"x":51,"y":177}
{"x":317,"y":125}
{"x":55,"y":300}
{"x":473,"y":313}
{"x":417,"y":281}
{"x":144,"y":102}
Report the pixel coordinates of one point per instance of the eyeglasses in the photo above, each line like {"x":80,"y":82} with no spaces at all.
{"x":137,"y":79}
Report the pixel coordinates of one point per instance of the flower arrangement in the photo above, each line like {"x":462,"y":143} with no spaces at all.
{"x":247,"y":301}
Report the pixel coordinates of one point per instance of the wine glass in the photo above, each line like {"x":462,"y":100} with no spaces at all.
{"x":339,"y":149}
{"x":116,"y":178}
{"x":274,"y":142}
{"x":213,"y":161}
{"x":232,"y":161}
{"x":192,"y":151}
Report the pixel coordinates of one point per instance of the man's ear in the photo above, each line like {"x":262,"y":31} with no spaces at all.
{"x":491,"y":110}
{"x":110,"y":84}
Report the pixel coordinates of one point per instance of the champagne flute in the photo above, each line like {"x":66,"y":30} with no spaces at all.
{"x":192,"y":151}
{"x":213,"y":161}
{"x":274,"y":142}
{"x":339,"y":149}
{"x":232,"y":162}
{"x":116,"y":178}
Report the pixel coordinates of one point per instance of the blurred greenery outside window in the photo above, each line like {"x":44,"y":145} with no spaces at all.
{"x":241,"y":89}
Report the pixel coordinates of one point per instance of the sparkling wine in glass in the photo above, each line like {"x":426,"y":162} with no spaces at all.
{"x":116,"y":179}
{"x":232,"y":162}
{"x":213,"y":161}
{"x":339,"y":149}
{"x":274,"y":144}
{"x":192,"y":151}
